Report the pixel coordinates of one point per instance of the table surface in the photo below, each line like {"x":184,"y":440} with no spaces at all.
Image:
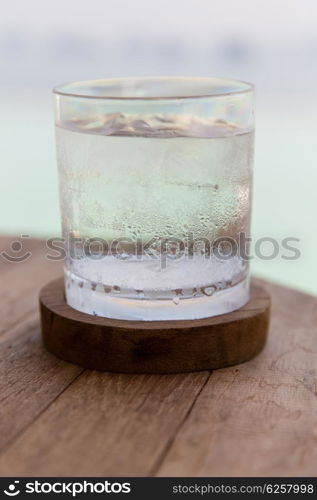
{"x":58,"y":419}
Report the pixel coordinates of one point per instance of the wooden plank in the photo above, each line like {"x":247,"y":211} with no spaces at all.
{"x":22,"y":281}
{"x":260,"y":418}
{"x":105,"y":425}
{"x":30,"y":378}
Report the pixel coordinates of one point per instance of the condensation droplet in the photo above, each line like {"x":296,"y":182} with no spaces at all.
{"x":195,"y":291}
{"x":208,"y":290}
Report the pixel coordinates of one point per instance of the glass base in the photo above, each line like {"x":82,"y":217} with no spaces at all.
{"x":94,"y":302}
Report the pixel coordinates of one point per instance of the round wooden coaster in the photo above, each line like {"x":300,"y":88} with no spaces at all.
{"x":153,"y":346}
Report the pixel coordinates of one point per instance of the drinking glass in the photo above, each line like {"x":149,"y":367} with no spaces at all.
{"x":155,"y":182}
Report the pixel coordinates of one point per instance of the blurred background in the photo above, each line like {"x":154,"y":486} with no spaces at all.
{"x":270,"y":43}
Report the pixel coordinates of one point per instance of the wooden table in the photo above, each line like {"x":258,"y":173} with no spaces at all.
{"x":57,"y":419}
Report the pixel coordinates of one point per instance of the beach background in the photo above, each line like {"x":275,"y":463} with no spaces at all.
{"x":272,"y":44}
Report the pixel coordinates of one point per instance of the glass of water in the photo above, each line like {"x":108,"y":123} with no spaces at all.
{"x":155,"y":182}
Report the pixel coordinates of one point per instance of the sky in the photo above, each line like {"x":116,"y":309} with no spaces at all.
{"x":272,"y":43}
{"x":268,"y":21}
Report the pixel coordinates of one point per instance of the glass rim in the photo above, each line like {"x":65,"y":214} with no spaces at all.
{"x":235,"y":87}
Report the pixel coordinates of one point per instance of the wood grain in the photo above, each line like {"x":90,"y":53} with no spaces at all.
{"x":105,"y":424}
{"x":30,"y":378}
{"x":153,"y":346}
{"x":22,"y":281}
{"x":259,"y":418}
{"x":33,"y":381}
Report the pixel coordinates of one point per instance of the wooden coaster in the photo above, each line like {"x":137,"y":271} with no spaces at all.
{"x":153,"y":346}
